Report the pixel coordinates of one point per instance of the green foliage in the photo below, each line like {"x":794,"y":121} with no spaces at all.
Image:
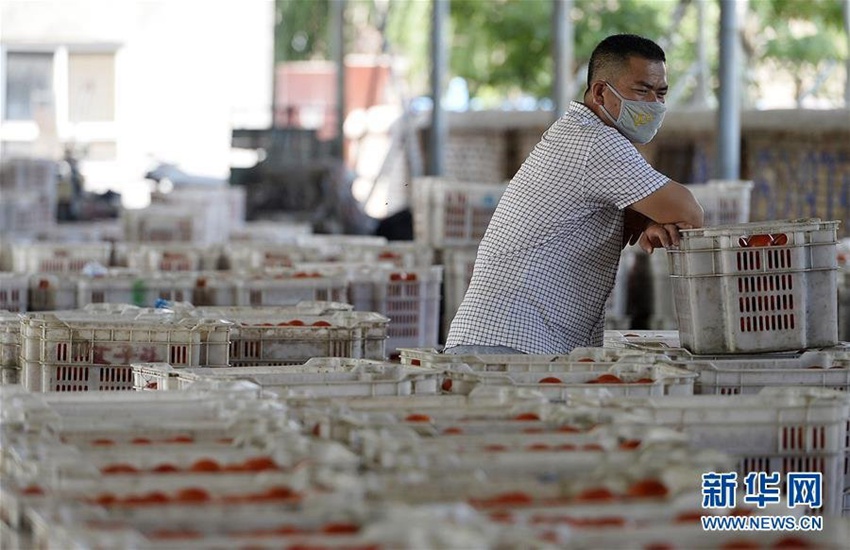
{"x":301,"y":29}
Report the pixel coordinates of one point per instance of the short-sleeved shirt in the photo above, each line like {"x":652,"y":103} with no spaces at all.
{"x":547,"y":262}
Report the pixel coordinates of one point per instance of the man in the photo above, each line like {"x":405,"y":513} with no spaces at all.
{"x":548,"y":259}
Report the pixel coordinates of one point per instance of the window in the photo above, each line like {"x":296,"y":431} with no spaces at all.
{"x":29,"y":84}
{"x":91,"y":87}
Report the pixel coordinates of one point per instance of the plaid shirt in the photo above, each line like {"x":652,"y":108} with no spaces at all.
{"x":547,"y":263}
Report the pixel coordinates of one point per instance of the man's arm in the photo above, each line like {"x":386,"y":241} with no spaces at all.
{"x":670,"y":208}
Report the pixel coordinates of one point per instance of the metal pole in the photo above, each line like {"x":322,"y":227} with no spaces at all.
{"x":438,"y":135}
{"x":701,"y":93}
{"x":337,"y":40}
{"x":729,"y":109}
{"x":563,"y":40}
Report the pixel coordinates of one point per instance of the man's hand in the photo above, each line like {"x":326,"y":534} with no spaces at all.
{"x":658,"y":235}
{"x":634,"y":224}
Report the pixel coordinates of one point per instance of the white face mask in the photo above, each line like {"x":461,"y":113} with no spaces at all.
{"x":639,"y":121}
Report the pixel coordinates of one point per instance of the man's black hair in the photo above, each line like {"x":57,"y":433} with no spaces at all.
{"x":616,"y":50}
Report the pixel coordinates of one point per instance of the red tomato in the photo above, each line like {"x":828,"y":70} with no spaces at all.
{"x":415,"y":417}
{"x":779,"y":240}
{"x":205,"y":465}
{"x":453,"y":430}
{"x":629,"y":444}
{"x":759,"y":240}
{"x":32,"y":490}
{"x":539,"y":447}
{"x":321,"y":324}
{"x":141,"y":441}
{"x":105,"y":499}
{"x":296,"y":323}
{"x":446,"y":386}
{"x":647,"y":488}
{"x":495,"y":448}
{"x":568,"y":429}
{"x":119,"y":469}
{"x":181,"y":439}
{"x":165,"y":468}
{"x":515,"y":498}
{"x":259,"y":464}
{"x":659,"y":546}
{"x":340,"y":528}
{"x":566,"y":447}
{"x":551,"y":380}
{"x":192,"y":494}
{"x":102,"y":442}
{"x":644,"y":381}
{"x":607,"y":379}
{"x":586,"y":360}
{"x":742,"y":544}
{"x":526,"y":417}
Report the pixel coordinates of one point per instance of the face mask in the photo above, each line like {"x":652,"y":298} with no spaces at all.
{"x":639,"y":121}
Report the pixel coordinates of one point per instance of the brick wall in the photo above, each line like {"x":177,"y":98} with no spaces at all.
{"x":799,"y":161}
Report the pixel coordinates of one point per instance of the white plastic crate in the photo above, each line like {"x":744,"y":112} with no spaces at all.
{"x":450,"y":213}
{"x":649,"y":340}
{"x":778,"y":430}
{"x":579,"y":358}
{"x":173,"y":257}
{"x":458,"y":263}
{"x":83,"y":351}
{"x":638,"y":379}
{"x":727,"y":375}
{"x":291,"y":337}
{"x":141,"y":289}
{"x":37,"y":175}
{"x":756,"y":287}
{"x":325,"y":377}
{"x":52,"y":291}
{"x":10,"y":375}
{"x":332,"y":248}
{"x":14,"y":288}
{"x":10,"y":338}
{"x":401,"y":254}
{"x":248,"y":256}
{"x":42,"y":257}
{"x":24,"y":213}
{"x":272,"y":232}
{"x":176,"y":222}
{"x":280,"y":288}
{"x":723,"y":202}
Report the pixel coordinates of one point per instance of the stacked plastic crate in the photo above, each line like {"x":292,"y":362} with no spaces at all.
{"x":724,"y":203}
{"x":451,"y":217}
{"x":92,"y":349}
{"x":28,"y":201}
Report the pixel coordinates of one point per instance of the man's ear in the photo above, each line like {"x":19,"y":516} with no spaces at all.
{"x":596,"y":90}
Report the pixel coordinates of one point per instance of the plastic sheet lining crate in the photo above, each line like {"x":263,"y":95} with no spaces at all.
{"x":41,"y":257}
{"x":450,"y":213}
{"x":778,"y":430}
{"x":14,"y":292}
{"x":52,"y":291}
{"x":293,"y":337}
{"x":173,"y":257}
{"x":83,"y":351}
{"x":756,"y":287}
{"x":749,"y":375}
{"x":139,"y":289}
